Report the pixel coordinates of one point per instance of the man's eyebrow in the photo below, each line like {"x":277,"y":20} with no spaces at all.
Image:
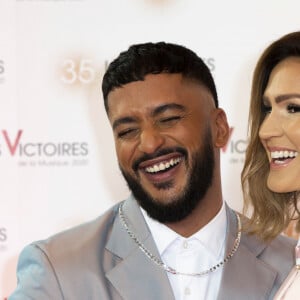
{"x":281,"y":98}
{"x":162,"y":108}
{"x":121,"y":121}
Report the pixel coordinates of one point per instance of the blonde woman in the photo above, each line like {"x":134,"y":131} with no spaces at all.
{"x":271,"y":175}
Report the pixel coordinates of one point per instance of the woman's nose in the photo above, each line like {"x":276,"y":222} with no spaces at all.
{"x":270,"y":127}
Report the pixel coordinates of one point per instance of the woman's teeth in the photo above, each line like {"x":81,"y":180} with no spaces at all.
{"x":283,"y":154}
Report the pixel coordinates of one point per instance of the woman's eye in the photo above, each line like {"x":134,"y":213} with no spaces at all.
{"x":266,"y":109}
{"x":292,"y":108}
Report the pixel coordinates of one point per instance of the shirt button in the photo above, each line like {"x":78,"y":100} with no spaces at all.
{"x":185,"y":245}
{"x":187,"y":291}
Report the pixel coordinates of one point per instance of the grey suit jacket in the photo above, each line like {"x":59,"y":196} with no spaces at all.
{"x":98,"y":260}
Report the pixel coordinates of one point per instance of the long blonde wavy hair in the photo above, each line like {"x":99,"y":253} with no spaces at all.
{"x":271,"y":212}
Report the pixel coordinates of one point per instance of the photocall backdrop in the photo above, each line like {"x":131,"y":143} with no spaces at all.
{"x":58,"y":165}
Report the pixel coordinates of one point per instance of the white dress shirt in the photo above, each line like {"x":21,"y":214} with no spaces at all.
{"x":196,"y":253}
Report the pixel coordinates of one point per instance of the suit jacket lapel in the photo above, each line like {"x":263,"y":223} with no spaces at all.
{"x":135,"y":276}
{"x":245,"y":276}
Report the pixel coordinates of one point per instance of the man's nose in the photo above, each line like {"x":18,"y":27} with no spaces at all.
{"x":150,"y":140}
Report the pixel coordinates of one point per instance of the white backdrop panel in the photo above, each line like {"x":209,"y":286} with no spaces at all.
{"x":57,"y":161}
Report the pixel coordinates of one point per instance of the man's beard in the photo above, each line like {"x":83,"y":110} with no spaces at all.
{"x":199,"y":180}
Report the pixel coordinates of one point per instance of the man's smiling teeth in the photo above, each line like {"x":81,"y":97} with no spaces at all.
{"x":283,"y":154}
{"x":163,"y":165}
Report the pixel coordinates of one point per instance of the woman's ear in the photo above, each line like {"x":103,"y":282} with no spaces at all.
{"x":221,"y":128}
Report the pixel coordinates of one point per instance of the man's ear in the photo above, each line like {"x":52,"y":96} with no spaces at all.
{"x":220,"y":128}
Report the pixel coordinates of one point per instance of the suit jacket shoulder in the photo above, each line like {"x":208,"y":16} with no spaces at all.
{"x":68,"y":265}
{"x":257,"y":269}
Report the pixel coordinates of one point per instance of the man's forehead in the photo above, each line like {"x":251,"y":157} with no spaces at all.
{"x":143,"y":98}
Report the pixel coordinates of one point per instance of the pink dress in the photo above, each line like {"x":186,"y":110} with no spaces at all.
{"x":290,"y":289}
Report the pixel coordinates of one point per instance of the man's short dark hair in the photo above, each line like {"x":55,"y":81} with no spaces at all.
{"x":155,"y":58}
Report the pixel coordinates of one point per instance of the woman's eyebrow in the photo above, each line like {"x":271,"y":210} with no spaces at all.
{"x":284,"y":97}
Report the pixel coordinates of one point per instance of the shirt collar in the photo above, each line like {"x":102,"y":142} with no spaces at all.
{"x":211,"y":236}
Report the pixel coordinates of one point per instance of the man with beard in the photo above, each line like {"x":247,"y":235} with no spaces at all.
{"x":174,"y":238}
